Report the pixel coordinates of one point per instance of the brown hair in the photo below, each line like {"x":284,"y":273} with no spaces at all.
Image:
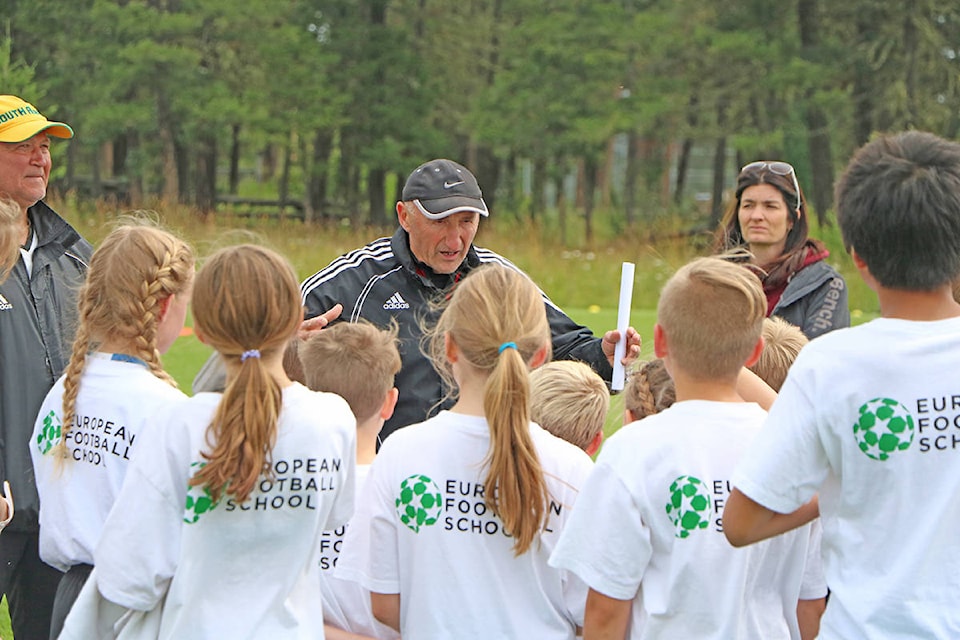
{"x":712,"y":313}
{"x":497,"y":319}
{"x":795,"y":250}
{"x":649,"y":389}
{"x":136,"y":267}
{"x":354,"y":360}
{"x":569,"y":399}
{"x":9,"y":237}
{"x":247,"y":306}
{"x":782,"y":343}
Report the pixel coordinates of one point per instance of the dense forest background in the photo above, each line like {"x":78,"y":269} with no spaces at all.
{"x":626,"y":109}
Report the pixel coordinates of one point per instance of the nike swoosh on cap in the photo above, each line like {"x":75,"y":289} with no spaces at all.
{"x":447,"y":185}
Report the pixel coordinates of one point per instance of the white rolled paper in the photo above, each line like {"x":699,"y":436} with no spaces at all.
{"x":623,"y":321}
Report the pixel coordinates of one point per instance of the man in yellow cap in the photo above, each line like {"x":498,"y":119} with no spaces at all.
{"x":37,"y":317}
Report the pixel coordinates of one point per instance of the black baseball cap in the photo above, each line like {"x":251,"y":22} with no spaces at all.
{"x":440,"y":188}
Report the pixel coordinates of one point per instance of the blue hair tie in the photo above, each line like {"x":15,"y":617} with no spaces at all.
{"x":252,"y":353}
{"x":507,"y":345}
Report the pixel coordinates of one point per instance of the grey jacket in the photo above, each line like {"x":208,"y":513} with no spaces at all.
{"x":815,"y":300}
{"x":37,"y":321}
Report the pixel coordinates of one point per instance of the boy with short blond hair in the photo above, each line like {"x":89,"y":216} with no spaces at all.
{"x":865,"y":419}
{"x":782,"y":342}
{"x":571,"y":401}
{"x":646,"y":533}
{"x":358,"y":362}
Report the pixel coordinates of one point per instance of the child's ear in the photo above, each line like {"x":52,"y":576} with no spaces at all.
{"x":628,"y":417}
{"x":202,"y":338}
{"x":450,"y":348}
{"x":659,"y":341}
{"x":389,"y":403}
{"x":540,"y":357}
{"x":863,"y":269}
{"x":594,"y":445}
{"x":164,"y":305}
{"x":755,"y":354}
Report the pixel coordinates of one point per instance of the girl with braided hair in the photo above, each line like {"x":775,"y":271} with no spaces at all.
{"x":459,"y":513}
{"x":132,"y":307}
{"x":217,"y":533}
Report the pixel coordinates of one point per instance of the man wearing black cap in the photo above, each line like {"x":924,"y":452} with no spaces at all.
{"x":397,"y":278}
{"x":37,"y":312}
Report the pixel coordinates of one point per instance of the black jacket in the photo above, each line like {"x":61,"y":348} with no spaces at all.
{"x":383,"y":280}
{"x":38,"y":315}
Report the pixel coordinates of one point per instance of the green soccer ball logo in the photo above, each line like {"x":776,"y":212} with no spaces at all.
{"x":199,"y":500}
{"x":884,"y":426}
{"x":690,"y":505}
{"x":49,"y":435}
{"x":419,"y":502}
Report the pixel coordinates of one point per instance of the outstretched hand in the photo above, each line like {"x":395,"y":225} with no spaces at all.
{"x":313,"y":325}
{"x":630,"y":354}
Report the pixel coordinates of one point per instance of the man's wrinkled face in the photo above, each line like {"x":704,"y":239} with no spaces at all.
{"x":25,"y":169}
{"x":441,"y":244}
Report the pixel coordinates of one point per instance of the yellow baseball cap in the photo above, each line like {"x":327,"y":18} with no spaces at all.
{"x":19,"y":120}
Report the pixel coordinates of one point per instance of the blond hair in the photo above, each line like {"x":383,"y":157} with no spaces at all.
{"x":10,"y":218}
{"x":782,"y":342}
{"x":354,"y":360}
{"x":649,"y":389}
{"x":569,"y":399}
{"x":135,"y":269}
{"x":247,"y":306}
{"x":712,"y":313}
{"x":496,"y":318}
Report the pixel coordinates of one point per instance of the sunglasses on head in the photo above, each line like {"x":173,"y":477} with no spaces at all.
{"x":778,"y":168}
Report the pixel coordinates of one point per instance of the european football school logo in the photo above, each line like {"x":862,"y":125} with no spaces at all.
{"x":690,"y":505}
{"x":199,"y":500}
{"x":884,"y":427}
{"x":419,"y":502}
{"x":396,"y":302}
{"x":49,"y":435}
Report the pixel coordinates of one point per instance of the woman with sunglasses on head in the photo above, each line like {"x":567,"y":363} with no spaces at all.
{"x":769,"y":218}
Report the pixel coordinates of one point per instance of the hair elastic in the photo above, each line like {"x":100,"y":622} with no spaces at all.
{"x":252,"y":353}
{"x":507,"y":345}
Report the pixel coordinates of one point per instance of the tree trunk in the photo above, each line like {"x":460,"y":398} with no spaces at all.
{"x":719,"y":164}
{"x":234,"y":159}
{"x":630,"y":181}
{"x":206,"y":172}
{"x":317,"y":187}
{"x":170,"y":192}
{"x":376,"y":196}
{"x":818,"y":133}
{"x":283,"y":187}
{"x":590,"y":174}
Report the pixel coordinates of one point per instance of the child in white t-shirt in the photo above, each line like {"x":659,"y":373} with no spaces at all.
{"x":569,"y":399}
{"x":867,"y":418}
{"x":646,"y":535}
{"x":216,"y":531}
{"x":9,"y":252}
{"x":131,"y":309}
{"x":459,"y":513}
{"x":358,"y":362}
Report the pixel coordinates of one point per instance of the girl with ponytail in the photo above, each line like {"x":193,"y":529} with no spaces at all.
{"x":131,"y":308}
{"x":219,"y":526}
{"x":460,"y":512}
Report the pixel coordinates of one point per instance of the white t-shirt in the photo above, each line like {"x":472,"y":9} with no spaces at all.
{"x":346,"y":604}
{"x":422,"y":530}
{"x":869,"y":417}
{"x":648,"y":527}
{"x":117,"y":400}
{"x":231,"y":570}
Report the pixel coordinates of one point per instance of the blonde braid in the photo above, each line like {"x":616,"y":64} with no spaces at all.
{"x":71,"y":383}
{"x":152,"y":290}
{"x":648,"y":402}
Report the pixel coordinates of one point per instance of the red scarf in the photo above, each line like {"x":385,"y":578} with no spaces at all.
{"x":774,"y":293}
